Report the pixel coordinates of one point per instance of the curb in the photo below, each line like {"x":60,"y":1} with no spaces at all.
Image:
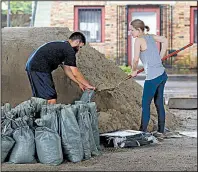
{"x":182,"y":103}
{"x":172,"y":77}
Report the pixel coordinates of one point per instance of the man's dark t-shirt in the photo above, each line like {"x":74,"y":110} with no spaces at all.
{"x":50,"y":55}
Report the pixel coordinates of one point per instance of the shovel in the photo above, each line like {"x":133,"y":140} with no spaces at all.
{"x":141,"y":70}
{"x":112,"y":88}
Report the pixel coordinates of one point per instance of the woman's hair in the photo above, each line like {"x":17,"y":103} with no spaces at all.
{"x":137,"y":23}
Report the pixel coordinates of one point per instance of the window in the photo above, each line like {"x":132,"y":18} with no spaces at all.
{"x":193,"y":25}
{"x":90,"y":21}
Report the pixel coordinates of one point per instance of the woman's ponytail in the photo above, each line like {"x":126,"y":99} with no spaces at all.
{"x":147,"y":28}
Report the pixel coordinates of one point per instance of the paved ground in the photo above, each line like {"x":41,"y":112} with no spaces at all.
{"x":175,"y":154}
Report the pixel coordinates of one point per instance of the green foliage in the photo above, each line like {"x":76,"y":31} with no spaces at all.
{"x":19,"y":7}
{"x":126,"y":69}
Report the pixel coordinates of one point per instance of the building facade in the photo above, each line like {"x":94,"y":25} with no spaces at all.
{"x":105,"y":24}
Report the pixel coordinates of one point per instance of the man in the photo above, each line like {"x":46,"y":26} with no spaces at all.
{"x":47,"y":58}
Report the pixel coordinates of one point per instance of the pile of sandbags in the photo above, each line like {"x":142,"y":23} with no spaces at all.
{"x":35,"y":131}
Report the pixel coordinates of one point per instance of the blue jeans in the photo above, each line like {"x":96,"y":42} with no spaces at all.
{"x":154,"y":89}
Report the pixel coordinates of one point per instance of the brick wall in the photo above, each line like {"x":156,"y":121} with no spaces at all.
{"x":181,"y":34}
{"x":62,"y":15}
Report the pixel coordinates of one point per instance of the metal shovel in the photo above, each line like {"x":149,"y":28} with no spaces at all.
{"x":112,"y":88}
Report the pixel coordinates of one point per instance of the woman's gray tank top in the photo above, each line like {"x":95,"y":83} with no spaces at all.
{"x":151,"y":59}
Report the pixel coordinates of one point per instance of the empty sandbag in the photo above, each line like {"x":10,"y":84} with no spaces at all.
{"x":70,"y":135}
{"x":24,"y":148}
{"x":48,"y":146}
{"x":6,"y":145}
{"x":87,"y":96}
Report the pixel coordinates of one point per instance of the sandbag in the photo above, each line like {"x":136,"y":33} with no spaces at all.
{"x":83,"y":122}
{"x":70,"y":135}
{"x":91,"y":119}
{"x":37,"y":104}
{"x":24,"y":148}
{"x":4,"y":109}
{"x":87,"y":96}
{"x":19,"y":122}
{"x":94,"y":123}
{"x":6,"y":145}
{"x":6,"y":127}
{"x":49,"y":116}
{"x":23,"y":109}
{"x":48,"y":146}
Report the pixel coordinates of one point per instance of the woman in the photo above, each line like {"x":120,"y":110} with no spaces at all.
{"x":156,"y":77}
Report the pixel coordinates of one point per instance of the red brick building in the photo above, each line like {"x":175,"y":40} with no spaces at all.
{"x":105,"y":24}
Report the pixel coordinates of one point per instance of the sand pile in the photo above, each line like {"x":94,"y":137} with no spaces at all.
{"x":119,"y":109}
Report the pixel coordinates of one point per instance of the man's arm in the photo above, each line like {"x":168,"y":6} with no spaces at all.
{"x":164,"y":42}
{"x":68,"y":72}
{"x":82,"y":84}
{"x":79,"y":76}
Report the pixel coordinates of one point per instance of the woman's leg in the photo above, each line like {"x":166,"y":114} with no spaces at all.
{"x":159,"y":104}
{"x":148,"y":94}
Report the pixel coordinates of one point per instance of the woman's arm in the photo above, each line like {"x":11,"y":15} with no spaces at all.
{"x":136,"y":56}
{"x":164,"y":42}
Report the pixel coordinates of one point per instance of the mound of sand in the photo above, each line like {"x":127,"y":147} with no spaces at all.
{"x":118,"y":109}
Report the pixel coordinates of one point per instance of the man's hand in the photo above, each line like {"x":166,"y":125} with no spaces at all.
{"x":82,"y":87}
{"x":90,"y":87}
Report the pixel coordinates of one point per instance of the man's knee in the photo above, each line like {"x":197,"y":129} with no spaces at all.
{"x":51,"y":101}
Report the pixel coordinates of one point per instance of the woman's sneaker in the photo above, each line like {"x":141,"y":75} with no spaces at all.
{"x":158,"y":135}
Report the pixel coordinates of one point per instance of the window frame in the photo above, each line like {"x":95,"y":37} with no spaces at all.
{"x":192,"y":23}
{"x":76,"y":10}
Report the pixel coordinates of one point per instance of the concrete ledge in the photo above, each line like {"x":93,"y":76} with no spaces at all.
{"x":182,"y":103}
{"x":173,"y":77}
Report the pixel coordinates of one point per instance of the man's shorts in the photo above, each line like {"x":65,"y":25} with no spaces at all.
{"x":42,"y":85}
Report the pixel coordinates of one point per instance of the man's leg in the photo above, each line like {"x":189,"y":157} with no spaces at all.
{"x":43,"y":86}
{"x":51,"y":101}
{"x":159,"y":104}
{"x":31,"y":83}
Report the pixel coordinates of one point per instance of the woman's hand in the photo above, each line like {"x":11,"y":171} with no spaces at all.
{"x":134,"y":74}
